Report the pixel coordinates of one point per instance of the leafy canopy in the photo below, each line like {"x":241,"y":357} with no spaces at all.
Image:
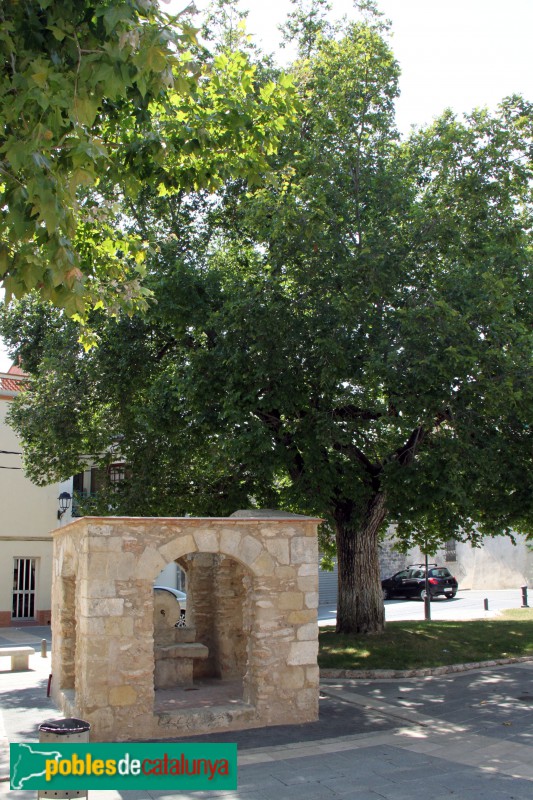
{"x":362,"y":327}
{"x":96,"y":101}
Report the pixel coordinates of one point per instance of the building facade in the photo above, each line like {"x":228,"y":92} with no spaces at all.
{"x":29,"y":514}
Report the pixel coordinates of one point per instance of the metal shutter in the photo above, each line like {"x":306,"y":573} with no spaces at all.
{"x":327,"y":586}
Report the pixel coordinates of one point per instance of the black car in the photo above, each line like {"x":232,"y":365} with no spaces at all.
{"x":411,"y":582}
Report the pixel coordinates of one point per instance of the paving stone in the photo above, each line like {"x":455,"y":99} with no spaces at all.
{"x":364,"y":794}
{"x":346,"y":784}
{"x":482,"y":783}
{"x":419,"y":773}
{"x":419,"y":789}
{"x":296,"y":776}
{"x":306,"y":791}
{"x":269,"y":785}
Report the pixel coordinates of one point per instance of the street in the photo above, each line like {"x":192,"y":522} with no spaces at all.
{"x":468,"y":604}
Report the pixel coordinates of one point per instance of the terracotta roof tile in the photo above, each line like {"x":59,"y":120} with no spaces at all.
{"x":12,"y":385}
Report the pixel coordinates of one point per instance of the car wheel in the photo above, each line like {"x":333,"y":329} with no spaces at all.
{"x":386,"y":594}
{"x":422,"y":594}
{"x":451,"y":596}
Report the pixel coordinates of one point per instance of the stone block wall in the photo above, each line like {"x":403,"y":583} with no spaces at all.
{"x":217,"y":607}
{"x":390,"y":560}
{"x":233,"y":622}
{"x":253,"y":589}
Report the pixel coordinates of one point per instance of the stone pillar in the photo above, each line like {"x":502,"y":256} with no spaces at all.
{"x":231,"y":632}
{"x":114,"y":654}
{"x":202,"y":609}
{"x":282,"y":677}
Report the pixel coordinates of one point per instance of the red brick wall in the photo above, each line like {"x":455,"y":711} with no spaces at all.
{"x":5,"y":619}
{"x":41,"y":618}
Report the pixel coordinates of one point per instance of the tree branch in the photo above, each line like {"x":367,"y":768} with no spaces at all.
{"x":353,"y":412}
{"x":161,"y":353}
{"x":272,"y":420}
{"x":354,"y":452}
{"x":405,"y":455}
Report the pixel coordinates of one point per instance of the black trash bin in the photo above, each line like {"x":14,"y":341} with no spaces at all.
{"x":59,"y":731}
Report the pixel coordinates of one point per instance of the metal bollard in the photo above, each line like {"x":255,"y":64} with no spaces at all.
{"x":486,"y":604}
{"x":427,"y":607}
{"x":43,"y":648}
{"x":524,"y":597}
{"x":63,"y":731}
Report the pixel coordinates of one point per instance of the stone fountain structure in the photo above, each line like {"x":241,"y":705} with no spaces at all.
{"x":251,"y":622}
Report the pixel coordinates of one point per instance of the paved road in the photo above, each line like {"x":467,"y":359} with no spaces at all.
{"x":468,"y":604}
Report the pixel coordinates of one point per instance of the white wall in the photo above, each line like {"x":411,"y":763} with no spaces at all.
{"x":497,"y":564}
{"x":26,"y":509}
{"x":28,"y":514}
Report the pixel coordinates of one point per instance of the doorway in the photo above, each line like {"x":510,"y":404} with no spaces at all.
{"x":24,"y":580}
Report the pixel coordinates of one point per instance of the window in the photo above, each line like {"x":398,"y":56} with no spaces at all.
{"x":97,"y":479}
{"x":440,"y":573}
{"x":117,"y":472}
{"x":24,"y":588}
{"x":77,"y":483}
{"x":403,"y":574}
{"x":451,"y":552}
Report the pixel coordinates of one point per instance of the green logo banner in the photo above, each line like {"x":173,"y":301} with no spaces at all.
{"x":69,"y":767}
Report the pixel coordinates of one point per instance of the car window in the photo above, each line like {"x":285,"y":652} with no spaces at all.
{"x":403,"y":574}
{"x":419,"y":573}
{"x":440,"y":573}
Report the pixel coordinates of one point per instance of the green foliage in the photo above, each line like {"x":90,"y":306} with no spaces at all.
{"x":96,"y":101}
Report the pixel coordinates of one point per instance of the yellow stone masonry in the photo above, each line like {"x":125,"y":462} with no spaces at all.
{"x":252,"y":592}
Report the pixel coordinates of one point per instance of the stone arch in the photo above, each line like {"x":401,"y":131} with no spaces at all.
{"x":229,"y":656}
{"x":212,"y":651}
{"x":246,"y":549}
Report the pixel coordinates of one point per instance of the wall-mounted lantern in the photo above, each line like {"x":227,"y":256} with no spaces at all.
{"x":64,"y":503}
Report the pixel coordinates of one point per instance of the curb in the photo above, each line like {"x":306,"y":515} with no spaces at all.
{"x":382,"y":674}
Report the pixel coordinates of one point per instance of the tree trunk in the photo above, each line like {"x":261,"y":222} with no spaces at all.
{"x":360,"y":599}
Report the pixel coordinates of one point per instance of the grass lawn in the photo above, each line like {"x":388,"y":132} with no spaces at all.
{"x":412,"y":645}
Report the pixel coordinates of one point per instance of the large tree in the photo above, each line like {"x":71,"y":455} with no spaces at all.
{"x":354,"y":342}
{"x":97,"y":100}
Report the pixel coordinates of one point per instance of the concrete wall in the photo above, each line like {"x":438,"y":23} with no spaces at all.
{"x":390,"y":560}
{"x":497,"y":564}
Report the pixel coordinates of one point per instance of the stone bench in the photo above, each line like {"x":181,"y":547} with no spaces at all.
{"x":174,"y":663}
{"x":19,"y":657}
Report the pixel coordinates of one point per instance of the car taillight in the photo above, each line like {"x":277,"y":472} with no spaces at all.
{"x":433,"y":581}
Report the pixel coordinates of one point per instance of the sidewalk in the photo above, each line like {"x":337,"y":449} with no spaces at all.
{"x":29,"y":635}
{"x":461,"y":736}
